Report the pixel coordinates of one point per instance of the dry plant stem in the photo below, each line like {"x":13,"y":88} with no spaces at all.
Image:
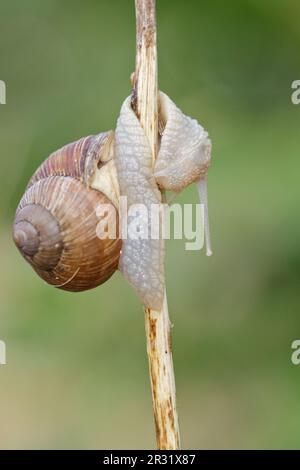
{"x":157,"y":323}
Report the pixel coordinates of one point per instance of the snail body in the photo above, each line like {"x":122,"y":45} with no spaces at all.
{"x":183,"y":158}
{"x":55,"y":227}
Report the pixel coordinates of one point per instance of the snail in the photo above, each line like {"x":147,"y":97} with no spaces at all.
{"x":55,"y":222}
{"x":55,"y":226}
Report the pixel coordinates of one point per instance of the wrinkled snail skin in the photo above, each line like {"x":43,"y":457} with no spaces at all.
{"x":185,"y":149}
{"x":56,"y":220}
{"x":141,"y":260}
{"x":55,"y":227}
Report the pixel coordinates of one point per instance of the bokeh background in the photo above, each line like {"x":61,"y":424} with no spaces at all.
{"x":77,"y":372}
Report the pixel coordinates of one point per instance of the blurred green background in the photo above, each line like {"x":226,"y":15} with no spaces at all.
{"x":77,"y":372}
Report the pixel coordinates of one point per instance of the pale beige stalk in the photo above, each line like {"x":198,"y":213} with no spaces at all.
{"x":157,"y":323}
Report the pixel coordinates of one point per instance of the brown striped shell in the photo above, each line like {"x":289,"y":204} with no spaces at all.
{"x":55,"y":227}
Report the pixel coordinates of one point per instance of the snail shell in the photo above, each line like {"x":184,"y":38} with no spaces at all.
{"x":56,"y":220}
